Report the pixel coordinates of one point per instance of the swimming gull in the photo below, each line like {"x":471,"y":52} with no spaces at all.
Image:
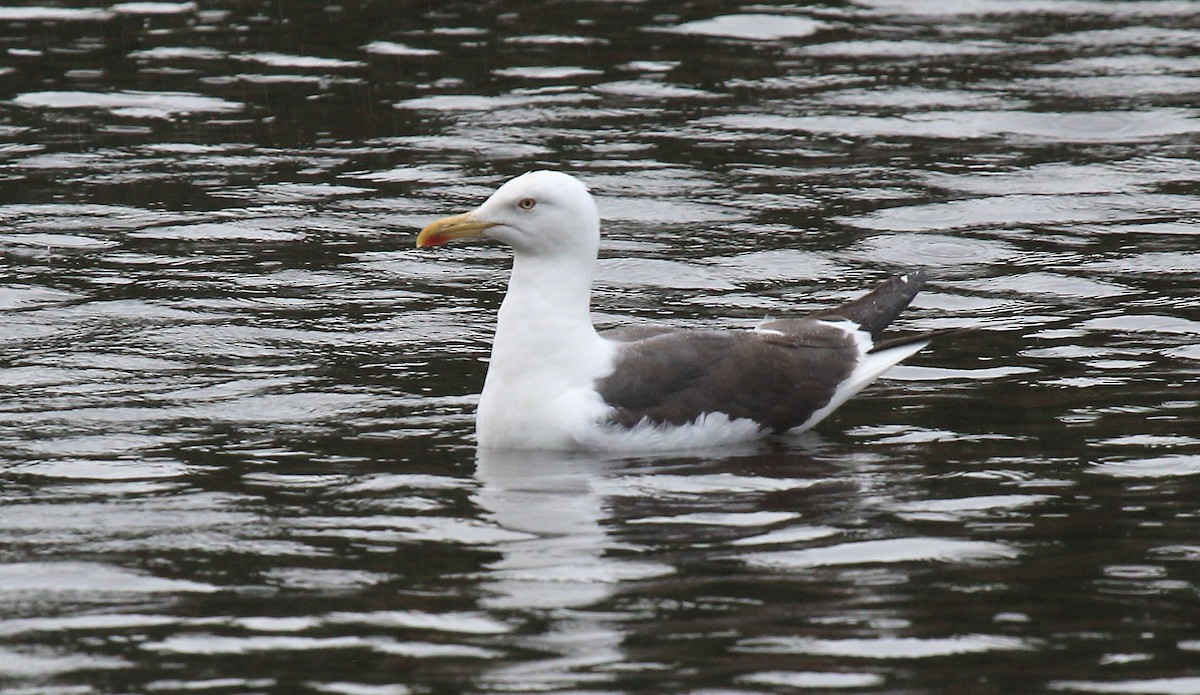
{"x":554,"y":382}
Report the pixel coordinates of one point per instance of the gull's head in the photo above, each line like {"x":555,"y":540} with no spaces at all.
{"x":540,"y":213}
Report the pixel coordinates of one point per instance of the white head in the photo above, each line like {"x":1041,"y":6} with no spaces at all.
{"x":540,"y":213}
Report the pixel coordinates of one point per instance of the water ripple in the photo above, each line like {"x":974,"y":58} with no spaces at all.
{"x":38,"y":664}
{"x":283,"y":60}
{"x":907,"y":48}
{"x":1170,"y":466}
{"x":208,"y":644}
{"x":732,"y":519}
{"x":809,"y":680}
{"x":1013,"y":210}
{"x":896,"y":550}
{"x":1072,"y":127}
{"x":129,"y":103}
{"x":757,"y":27}
{"x":88,"y":578}
{"x":1147,"y":686}
{"x":886,"y":647}
{"x":1121,"y":8}
{"x":396,"y":49}
{"x":52,"y":14}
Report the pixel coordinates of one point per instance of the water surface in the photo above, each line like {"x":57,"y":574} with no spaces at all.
{"x":236,"y":421}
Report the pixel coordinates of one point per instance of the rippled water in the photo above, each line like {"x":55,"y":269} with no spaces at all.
{"x":236,"y":443}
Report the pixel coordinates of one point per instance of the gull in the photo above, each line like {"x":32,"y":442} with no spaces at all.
{"x":555,"y":382}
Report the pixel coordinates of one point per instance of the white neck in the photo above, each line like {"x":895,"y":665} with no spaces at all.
{"x":545,"y":358}
{"x":547,"y":307}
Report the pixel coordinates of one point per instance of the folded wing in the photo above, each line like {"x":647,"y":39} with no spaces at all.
{"x":785,"y":374}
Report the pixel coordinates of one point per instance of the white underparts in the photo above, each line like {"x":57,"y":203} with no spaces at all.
{"x":710,"y":429}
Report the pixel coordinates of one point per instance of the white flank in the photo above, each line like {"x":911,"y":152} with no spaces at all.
{"x":710,"y":429}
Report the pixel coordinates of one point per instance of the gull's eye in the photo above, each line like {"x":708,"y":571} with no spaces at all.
{"x":526,"y":203}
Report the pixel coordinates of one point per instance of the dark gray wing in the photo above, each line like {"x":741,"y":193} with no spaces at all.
{"x":777,"y":376}
{"x":777,"y":380}
{"x":876,"y":309}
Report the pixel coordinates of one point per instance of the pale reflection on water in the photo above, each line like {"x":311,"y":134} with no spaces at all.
{"x":559,"y":569}
{"x":236,"y":449}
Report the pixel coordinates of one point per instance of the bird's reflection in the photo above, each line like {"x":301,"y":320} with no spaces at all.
{"x":560,"y":567}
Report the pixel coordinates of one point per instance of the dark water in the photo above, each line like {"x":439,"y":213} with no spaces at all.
{"x":236,"y":444}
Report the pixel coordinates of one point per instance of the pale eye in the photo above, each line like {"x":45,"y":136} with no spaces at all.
{"x":526,"y":203}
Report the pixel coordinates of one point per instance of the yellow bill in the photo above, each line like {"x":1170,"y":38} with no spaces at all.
{"x":464,"y":226}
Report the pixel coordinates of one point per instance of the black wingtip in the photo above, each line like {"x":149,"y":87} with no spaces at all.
{"x":876,"y":309}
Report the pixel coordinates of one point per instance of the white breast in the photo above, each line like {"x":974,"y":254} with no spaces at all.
{"x":539,"y":389}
